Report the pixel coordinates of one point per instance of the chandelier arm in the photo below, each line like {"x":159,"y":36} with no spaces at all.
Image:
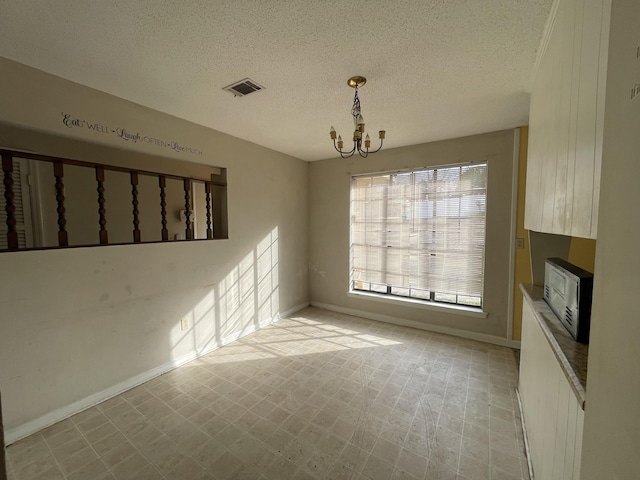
{"x":378,"y":149}
{"x":350,"y":152}
{"x":342,"y":152}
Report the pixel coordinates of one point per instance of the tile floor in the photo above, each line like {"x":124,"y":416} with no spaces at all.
{"x":316,"y":396}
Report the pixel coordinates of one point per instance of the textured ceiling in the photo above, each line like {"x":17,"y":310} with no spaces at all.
{"x":436,"y":69}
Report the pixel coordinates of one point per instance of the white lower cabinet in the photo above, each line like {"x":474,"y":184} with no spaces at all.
{"x":552,"y":413}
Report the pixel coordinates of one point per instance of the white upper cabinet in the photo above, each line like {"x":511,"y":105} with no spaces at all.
{"x":566,"y":120}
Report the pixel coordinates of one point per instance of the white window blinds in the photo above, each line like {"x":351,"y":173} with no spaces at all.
{"x":420,"y":234}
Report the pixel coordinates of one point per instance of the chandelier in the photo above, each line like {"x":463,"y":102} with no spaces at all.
{"x":358,"y":121}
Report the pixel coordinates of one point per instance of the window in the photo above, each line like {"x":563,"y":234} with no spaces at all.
{"x":420,"y":234}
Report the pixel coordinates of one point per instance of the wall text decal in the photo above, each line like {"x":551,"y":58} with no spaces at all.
{"x":74,"y":122}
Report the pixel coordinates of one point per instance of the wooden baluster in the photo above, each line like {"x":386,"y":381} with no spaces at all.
{"x":10,"y":208}
{"x":163,"y":207}
{"x":207,"y":189}
{"x":102,"y":212}
{"x":58,"y":173}
{"x":134,"y":202}
{"x":187,"y":208}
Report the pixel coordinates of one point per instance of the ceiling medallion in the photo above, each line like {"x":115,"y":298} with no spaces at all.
{"x":356,"y":82}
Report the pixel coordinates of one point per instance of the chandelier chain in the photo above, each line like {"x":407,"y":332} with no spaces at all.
{"x":355,"y":110}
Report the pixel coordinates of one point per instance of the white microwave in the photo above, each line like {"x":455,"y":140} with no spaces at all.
{"x":568,"y":290}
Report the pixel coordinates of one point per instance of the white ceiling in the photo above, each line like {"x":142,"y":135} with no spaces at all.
{"x":436,"y":69}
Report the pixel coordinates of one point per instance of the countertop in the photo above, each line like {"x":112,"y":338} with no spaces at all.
{"x":571,"y":355}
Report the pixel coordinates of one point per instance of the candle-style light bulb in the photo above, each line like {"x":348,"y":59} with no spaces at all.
{"x":367,"y":141}
{"x":340,"y":142}
{"x":332,"y":132}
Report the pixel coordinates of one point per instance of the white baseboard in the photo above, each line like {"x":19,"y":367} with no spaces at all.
{"x":14,"y":434}
{"x":293,"y":310}
{"x":481,"y":337}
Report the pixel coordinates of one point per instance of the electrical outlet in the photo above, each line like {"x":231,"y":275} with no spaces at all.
{"x":519,"y":242}
{"x":184,"y":323}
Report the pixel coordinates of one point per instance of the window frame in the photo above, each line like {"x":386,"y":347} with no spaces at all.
{"x":393,"y":298}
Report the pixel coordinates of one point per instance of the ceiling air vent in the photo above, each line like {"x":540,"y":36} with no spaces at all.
{"x":243,"y":87}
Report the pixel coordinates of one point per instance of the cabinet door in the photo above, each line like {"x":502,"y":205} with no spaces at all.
{"x":552,"y":415}
{"x":585,"y":166}
{"x":547,"y":166}
{"x":566,"y":120}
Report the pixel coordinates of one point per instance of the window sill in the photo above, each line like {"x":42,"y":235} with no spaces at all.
{"x":409,"y":302}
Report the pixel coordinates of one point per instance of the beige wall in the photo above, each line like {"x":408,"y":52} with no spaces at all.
{"x":80,"y":324}
{"x":612,"y":420}
{"x":329,"y":184}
